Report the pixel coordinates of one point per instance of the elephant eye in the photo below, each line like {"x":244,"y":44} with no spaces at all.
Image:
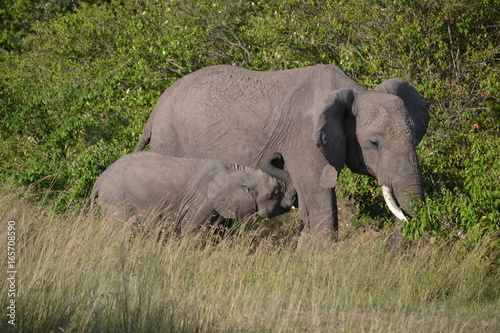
{"x":250,"y":190}
{"x":374,"y":142}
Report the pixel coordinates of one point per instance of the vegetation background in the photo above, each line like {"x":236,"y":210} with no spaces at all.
{"x":78,"y":80}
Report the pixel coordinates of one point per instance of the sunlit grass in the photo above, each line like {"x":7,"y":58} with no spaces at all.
{"x":77,"y":273}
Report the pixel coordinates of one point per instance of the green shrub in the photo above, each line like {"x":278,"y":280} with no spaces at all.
{"x":17,"y":17}
{"x":86,"y":77}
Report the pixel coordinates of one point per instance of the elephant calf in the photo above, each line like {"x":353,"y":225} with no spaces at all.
{"x":191,"y":190}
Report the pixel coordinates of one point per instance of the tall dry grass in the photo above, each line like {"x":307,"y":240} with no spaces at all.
{"x":78,"y":273}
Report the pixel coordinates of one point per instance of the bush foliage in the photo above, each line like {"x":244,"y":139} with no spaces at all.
{"x":79,"y":81}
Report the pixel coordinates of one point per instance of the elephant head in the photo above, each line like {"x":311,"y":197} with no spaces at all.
{"x":378,"y":136}
{"x":238,"y":193}
{"x":274,"y":165}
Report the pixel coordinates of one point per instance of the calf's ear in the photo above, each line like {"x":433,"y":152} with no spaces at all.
{"x":231,"y":196}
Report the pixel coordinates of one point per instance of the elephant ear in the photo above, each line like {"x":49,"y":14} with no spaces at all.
{"x":414,"y":103}
{"x":329,"y":134}
{"x":232,"y":195}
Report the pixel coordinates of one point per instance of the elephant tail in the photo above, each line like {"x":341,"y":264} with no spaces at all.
{"x":93,"y":198}
{"x":145,"y":137}
{"x":95,"y":194}
{"x":100,"y":167}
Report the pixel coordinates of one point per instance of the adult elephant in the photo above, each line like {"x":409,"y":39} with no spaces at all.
{"x":317,"y":117}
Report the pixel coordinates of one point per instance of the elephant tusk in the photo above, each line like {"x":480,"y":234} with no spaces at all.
{"x":393,"y":207}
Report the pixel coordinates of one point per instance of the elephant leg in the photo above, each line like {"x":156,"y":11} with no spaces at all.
{"x":319,"y":215}
{"x":396,"y":240}
{"x":317,"y":204}
{"x":194,"y":218}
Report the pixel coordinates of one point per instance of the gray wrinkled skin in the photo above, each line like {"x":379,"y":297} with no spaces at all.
{"x":317,"y":117}
{"x":194,"y":190}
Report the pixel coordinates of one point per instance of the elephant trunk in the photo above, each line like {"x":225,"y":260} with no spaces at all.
{"x":405,"y":192}
{"x":405,"y":196}
{"x":273,"y":164}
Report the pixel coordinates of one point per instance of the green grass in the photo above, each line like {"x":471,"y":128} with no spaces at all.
{"x":78,"y":273}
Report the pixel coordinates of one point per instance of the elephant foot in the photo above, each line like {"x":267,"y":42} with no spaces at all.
{"x":396,"y":240}
{"x":316,"y":241}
